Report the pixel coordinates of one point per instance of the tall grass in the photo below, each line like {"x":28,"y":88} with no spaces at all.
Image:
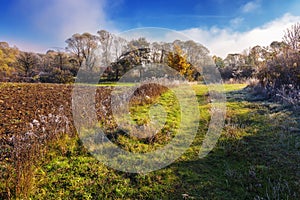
{"x":27,"y":150}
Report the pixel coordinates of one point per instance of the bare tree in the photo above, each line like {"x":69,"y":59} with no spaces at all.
{"x":27,"y":61}
{"x":139,"y":43}
{"x":292,"y":36}
{"x":84,"y":47}
{"x":106,"y":40}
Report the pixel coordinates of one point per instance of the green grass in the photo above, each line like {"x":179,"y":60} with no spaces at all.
{"x":256,"y":157}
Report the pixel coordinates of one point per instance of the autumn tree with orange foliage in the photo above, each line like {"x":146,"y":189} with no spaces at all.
{"x":178,"y":61}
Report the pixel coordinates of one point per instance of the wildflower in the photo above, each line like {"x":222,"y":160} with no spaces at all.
{"x":57,"y":119}
{"x":61,"y":108}
{"x":12,"y":138}
{"x":31,"y":125}
{"x":30,"y":133}
{"x":43,"y":118}
{"x":36,"y":122}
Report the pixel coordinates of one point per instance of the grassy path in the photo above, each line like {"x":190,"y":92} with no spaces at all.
{"x":256,"y":157}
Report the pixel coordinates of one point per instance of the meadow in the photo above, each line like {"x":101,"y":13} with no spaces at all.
{"x":43,"y":157}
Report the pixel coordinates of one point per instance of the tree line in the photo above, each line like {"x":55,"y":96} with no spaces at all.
{"x":276,"y":66}
{"x":104,"y":52}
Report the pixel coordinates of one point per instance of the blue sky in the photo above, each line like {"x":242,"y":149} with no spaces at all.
{"x":224,"y":26}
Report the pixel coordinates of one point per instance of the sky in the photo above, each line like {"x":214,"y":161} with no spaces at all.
{"x":223,"y":26}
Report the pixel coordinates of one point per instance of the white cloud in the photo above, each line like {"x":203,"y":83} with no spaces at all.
{"x":53,"y":21}
{"x":64,"y":18}
{"x":223,"y":41}
{"x":236,"y":22}
{"x":250,"y":6}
